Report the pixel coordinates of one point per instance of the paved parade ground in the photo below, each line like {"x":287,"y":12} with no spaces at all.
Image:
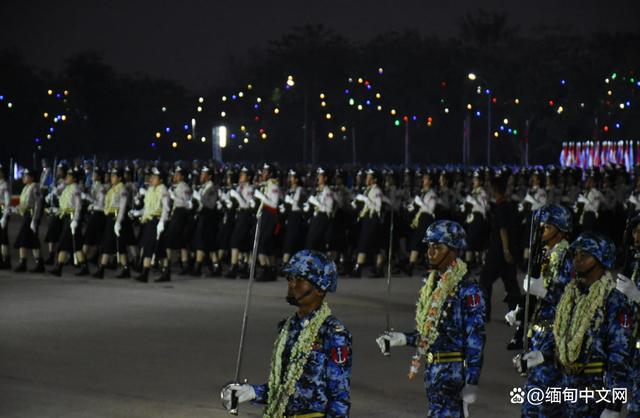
{"x":74,"y":347}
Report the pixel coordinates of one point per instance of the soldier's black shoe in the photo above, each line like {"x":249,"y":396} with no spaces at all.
{"x":356,"y":272}
{"x":56,"y":271}
{"x":517,"y":342}
{"x":165,"y":276}
{"x":408,"y":270}
{"x":215,"y":270}
{"x":233,"y":272}
{"x":39,"y":267}
{"x":377,"y":273}
{"x":143,"y":277}
{"x":112,"y":265}
{"x":84,"y":270}
{"x":99,"y":274}
{"x":197,"y":270}
{"x":186,"y":269}
{"x":125,"y":273}
{"x":243,"y":271}
{"x":50,"y":261}
{"x":22,"y":267}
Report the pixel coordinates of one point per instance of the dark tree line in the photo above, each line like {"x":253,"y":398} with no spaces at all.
{"x":115,"y":115}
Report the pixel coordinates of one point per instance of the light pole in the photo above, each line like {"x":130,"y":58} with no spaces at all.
{"x":473,"y":77}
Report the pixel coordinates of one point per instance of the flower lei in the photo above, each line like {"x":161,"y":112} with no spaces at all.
{"x":429,"y":308}
{"x":552,"y":269}
{"x":574,"y":315}
{"x":281,"y":390}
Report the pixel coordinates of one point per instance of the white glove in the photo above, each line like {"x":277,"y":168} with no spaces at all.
{"x":33,"y":226}
{"x":396,"y":339}
{"x":469,"y":396}
{"x":159,"y":229}
{"x":196,"y":195}
{"x":511,"y":316}
{"x":73,"y":225}
{"x":306,"y":207}
{"x":48,"y":198}
{"x":417,"y":201}
{"x":354,"y":204}
{"x":236,"y":195}
{"x":533,"y":358}
{"x":361,"y":198}
{"x":411,"y":207}
{"x":582,"y":199}
{"x":244,"y":393}
{"x":282,"y":208}
{"x":252,"y":203}
{"x":228,"y":204}
{"x":259,"y":195}
{"x":116,"y":229}
{"x":314,"y":201}
{"x":142,"y":191}
{"x":288,"y":199}
{"x":607,"y":413}
{"x":172,"y":194}
{"x":536,"y":287}
{"x":3,"y":222}
{"x":628,"y":287}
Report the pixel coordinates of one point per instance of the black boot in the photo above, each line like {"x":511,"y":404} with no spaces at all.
{"x":408,"y":270}
{"x":57,"y":270}
{"x":50,"y":261}
{"x":233,"y":272}
{"x":215,"y":270}
{"x":99,"y":274}
{"x":22,"y":267}
{"x":197,"y":270}
{"x":377,"y":272}
{"x":165,"y":276}
{"x":517,"y":342}
{"x":186,"y":268}
{"x":264,"y":274}
{"x":244,"y":271}
{"x":143,"y":277}
{"x":125,"y":273}
{"x":356,"y":272}
{"x":39,"y":267}
{"x":84,"y":270}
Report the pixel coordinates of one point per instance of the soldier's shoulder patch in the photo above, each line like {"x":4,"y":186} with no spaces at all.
{"x":338,"y":327}
{"x":473,"y":300}
{"x":339,"y":355}
{"x":624,"y":320}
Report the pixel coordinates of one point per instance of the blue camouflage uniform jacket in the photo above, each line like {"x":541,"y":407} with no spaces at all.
{"x":545,"y":313}
{"x":610,"y":345}
{"x":325,"y":384}
{"x":461,"y":328}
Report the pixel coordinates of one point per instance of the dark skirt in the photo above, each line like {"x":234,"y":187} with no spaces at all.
{"x":177,"y":231}
{"x":269,"y":227}
{"x":69,"y":242}
{"x":26,"y":237}
{"x":477,"y":233}
{"x":149,"y":245}
{"x":227,"y":224}
{"x":108,"y":243}
{"x":241,"y":235}
{"x":317,"y":237}
{"x":338,"y":231}
{"x":293,"y":233}
{"x":95,"y":228}
{"x":54,"y":229}
{"x":206,"y":231}
{"x":370,"y":240}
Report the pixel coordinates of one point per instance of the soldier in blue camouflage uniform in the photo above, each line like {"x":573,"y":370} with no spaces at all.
{"x":592,"y":331}
{"x":628,"y":283}
{"x":323,"y":388}
{"x":556,"y":272}
{"x":451,"y":335}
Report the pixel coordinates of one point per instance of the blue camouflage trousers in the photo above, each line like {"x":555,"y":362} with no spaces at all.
{"x":443,"y":383}
{"x":542,"y":377}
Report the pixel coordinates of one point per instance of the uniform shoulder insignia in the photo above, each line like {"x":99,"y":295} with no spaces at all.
{"x":340,"y":355}
{"x":338,"y":327}
{"x":624,"y":320}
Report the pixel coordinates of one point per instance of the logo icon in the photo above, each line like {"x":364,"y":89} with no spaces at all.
{"x":517,"y":395}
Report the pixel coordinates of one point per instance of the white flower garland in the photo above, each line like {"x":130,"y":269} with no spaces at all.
{"x":551,"y":269}
{"x":429,"y":308}
{"x":281,"y":390}
{"x":574,"y":315}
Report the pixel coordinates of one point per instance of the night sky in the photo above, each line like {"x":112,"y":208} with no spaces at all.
{"x":188,"y":40}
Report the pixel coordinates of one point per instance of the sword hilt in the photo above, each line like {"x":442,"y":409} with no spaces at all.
{"x":234,"y":403}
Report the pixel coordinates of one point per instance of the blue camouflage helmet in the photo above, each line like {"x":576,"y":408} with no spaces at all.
{"x":449,"y":233}
{"x":315,"y":267}
{"x":556,"y":215}
{"x":602,"y":248}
